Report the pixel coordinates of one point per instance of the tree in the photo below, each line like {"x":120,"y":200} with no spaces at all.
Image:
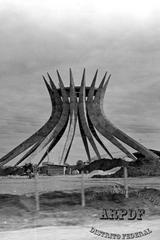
{"x":79,"y":165}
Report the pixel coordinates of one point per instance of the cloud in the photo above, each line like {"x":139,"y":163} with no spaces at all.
{"x":37,"y":36}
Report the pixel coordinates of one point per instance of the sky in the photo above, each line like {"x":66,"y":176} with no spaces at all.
{"x":118,"y":36}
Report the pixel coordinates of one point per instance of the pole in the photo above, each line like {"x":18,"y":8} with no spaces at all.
{"x":126,"y":181}
{"x":37,"y":192}
{"x":82,"y":190}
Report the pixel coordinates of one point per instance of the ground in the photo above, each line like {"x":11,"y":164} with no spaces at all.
{"x":82,"y":232}
{"x":61,"y":216}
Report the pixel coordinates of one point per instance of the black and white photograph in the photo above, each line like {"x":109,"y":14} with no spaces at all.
{"x":79,"y":119}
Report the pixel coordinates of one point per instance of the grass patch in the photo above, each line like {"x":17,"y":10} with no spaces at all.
{"x":64,"y":208}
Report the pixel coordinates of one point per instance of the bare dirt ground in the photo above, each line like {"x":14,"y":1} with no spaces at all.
{"x":83,"y":232}
{"x":61,"y":216}
{"x":23,"y":185}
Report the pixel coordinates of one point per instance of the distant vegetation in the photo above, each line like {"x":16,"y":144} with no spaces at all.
{"x":26,"y":169}
{"x":141,"y":167}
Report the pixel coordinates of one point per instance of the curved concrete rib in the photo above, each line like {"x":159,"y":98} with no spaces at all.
{"x":62,"y":122}
{"x":72,"y":126}
{"x":52,"y":144}
{"x":81,"y":109}
{"x":38,"y":135}
{"x":28,"y":153}
{"x":109,"y":127}
{"x":97,"y":137}
{"x":95,"y":120}
{"x":55,"y":118}
{"x":84,"y":139}
{"x":73,"y":120}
